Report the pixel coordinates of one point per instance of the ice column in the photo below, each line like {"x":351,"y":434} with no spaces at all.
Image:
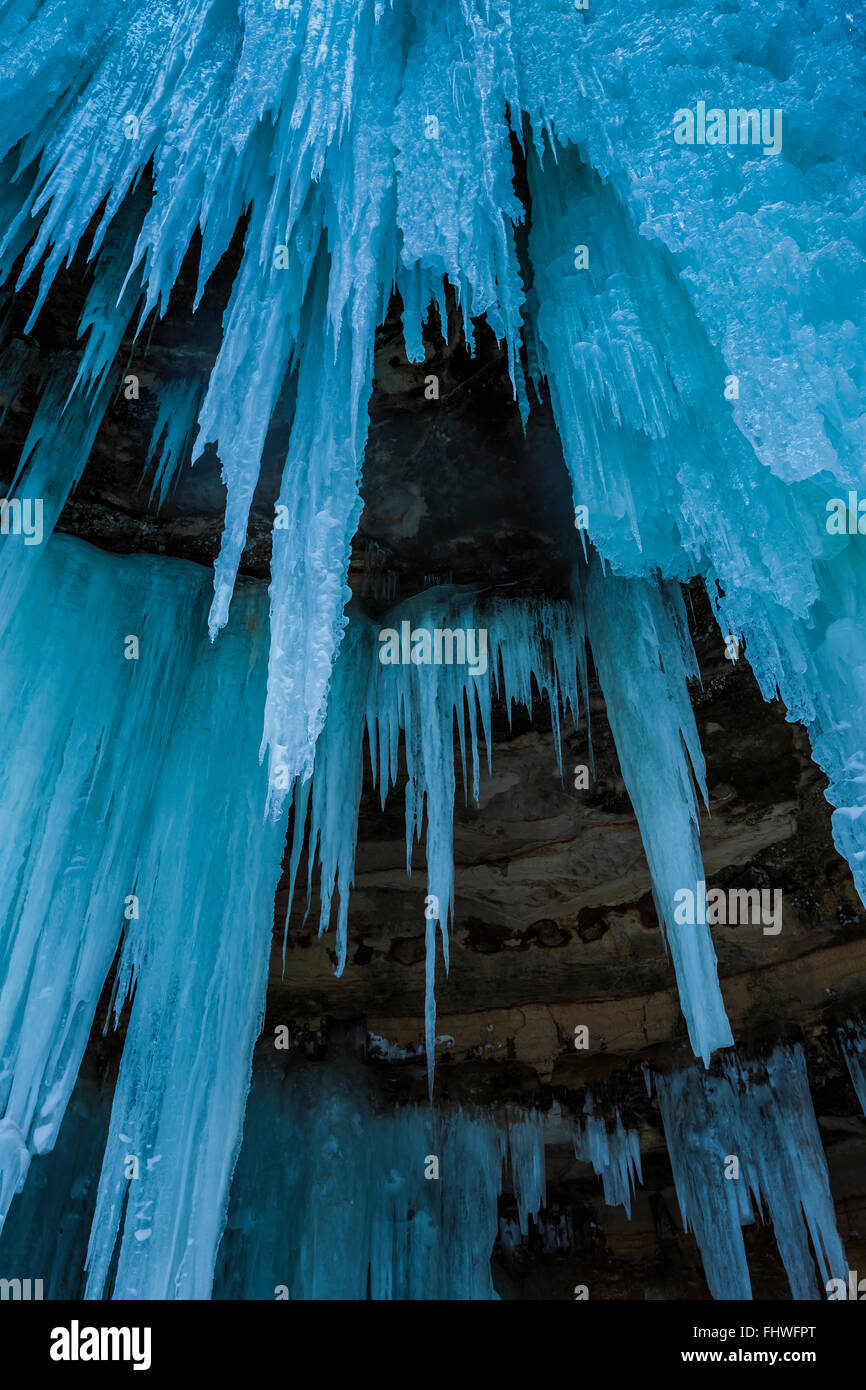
{"x":745,"y":1140}
{"x":644,"y":657}
{"x":197,"y":956}
{"x":334,"y":1198}
{"x":84,"y":727}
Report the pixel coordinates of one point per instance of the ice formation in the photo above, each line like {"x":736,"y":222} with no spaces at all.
{"x":853,"y":1043}
{"x":370,"y":147}
{"x":324,"y":1170}
{"x":696,"y":313}
{"x":643,"y":655}
{"x":335,"y":1199}
{"x":614,"y":1153}
{"x":197,"y":956}
{"x":84,"y":729}
{"x":421,"y":702}
{"x":333,"y":1196}
{"x":124,"y":728}
{"x":48,"y":1226}
{"x":170,"y":442}
{"x":744,"y":1142}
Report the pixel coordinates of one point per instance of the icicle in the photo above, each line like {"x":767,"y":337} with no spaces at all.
{"x":112,"y":299}
{"x":451,"y":133}
{"x":243,"y":390}
{"x":382,"y":136}
{"x":703,"y":360}
{"x":644,"y":658}
{"x":853,"y":1044}
{"x":750,"y":1137}
{"x":334,"y":1199}
{"x":474,"y":653}
{"x":55,"y":451}
{"x":675,"y":473}
{"x":95,"y":659}
{"x":526,"y":1147}
{"x":613,"y":1153}
{"x":197,"y":956}
{"x":319,"y":496}
{"x":643,"y":655}
{"x":175,"y":421}
{"x":317,"y":513}
{"x":337,"y":786}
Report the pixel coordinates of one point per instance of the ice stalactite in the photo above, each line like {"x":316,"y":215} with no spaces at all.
{"x":391,"y":683}
{"x":334,"y":1198}
{"x":324,"y":1169}
{"x":758,"y":241}
{"x":602,"y":1140}
{"x":124,"y":730}
{"x":112,"y":299}
{"x":613,"y":1151}
{"x":197,"y":956}
{"x":321,"y":504}
{"x":52,"y":460}
{"x":673,"y":418}
{"x":172,"y":435}
{"x":852,"y":1041}
{"x":744,"y":1142}
{"x":84,"y":730}
{"x":452,"y":133}
{"x":74,"y":394}
{"x":817,"y":664}
{"x":644,"y":657}
{"x":465,"y":653}
{"x":526,"y":1155}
